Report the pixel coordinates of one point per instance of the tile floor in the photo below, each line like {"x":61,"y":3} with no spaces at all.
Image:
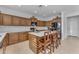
{"x":68,"y":46}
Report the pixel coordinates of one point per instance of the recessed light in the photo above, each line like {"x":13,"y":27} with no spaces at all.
{"x":35,"y":11}
{"x":19,"y":5}
{"x":54,"y":11}
{"x":44,"y":15}
{"x":46,"y":5}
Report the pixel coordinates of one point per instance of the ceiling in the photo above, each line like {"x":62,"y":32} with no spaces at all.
{"x":42,"y":10}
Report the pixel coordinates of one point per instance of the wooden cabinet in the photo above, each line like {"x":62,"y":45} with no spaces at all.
{"x":16,"y":20}
{"x":48,"y":23}
{"x":1,"y":22}
{"x":34,"y":20}
{"x":28,"y":22}
{"x":13,"y":38}
{"x":6,"y":40}
{"x":17,"y":37}
{"x":33,"y":43}
{"x":23,"y":36}
{"x":23,"y":22}
{"x":6,"y":19}
{"x":41,"y":23}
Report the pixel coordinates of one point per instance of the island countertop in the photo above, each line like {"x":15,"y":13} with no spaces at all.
{"x":2,"y":35}
{"x":39,"y":33}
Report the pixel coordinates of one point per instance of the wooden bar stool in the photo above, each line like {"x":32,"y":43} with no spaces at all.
{"x":44,"y":46}
{"x":54,"y":39}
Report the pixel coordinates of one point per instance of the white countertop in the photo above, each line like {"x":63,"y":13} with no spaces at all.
{"x":39,"y":34}
{"x":2,"y":35}
{"x":10,"y":29}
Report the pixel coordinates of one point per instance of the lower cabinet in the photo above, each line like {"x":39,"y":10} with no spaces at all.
{"x":23,"y":36}
{"x":13,"y":38}
{"x":1,"y":21}
{"x":17,"y":37}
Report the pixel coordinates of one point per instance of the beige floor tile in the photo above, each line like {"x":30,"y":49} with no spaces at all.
{"x":68,"y":46}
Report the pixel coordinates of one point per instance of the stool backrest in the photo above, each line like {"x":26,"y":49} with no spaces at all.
{"x":46,"y":36}
{"x":55,"y":35}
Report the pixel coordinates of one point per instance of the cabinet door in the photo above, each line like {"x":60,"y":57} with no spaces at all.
{"x":23,"y":22}
{"x":23,"y":36}
{"x":13,"y":38}
{"x":34,"y":20}
{"x":48,"y":23}
{"x":28,"y":22}
{"x":41,"y":23}
{"x":6,"y":19}
{"x":1,"y":22}
{"x":16,"y":20}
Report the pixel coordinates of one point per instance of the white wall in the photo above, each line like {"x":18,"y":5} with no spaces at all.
{"x":72,"y":20}
{"x":73,"y":26}
{"x":13,"y":12}
{"x":64,"y":26}
{"x":72,"y":13}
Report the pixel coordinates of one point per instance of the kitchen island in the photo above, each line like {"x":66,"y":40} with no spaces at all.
{"x":34,"y":37}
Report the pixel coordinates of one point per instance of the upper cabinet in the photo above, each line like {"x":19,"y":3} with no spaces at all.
{"x":11,"y":20}
{"x":23,"y":22}
{"x":1,"y":21}
{"x":28,"y":21}
{"x":48,"y":23}
{"x":6,"y":19}
{"x":41,"y":23}
{"x":33,"y":19}
{"x":15,"y":20}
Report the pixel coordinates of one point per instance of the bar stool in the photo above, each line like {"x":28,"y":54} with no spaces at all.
{"x":45,"y":44}
{"x":54,"y":39}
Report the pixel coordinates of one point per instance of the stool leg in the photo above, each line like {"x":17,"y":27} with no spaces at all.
{"x":59,"y":41}
{"x":57,"y":44}
{"x":50,"y":49}
{"x":4,"y":50}
{"x":53,"y":46}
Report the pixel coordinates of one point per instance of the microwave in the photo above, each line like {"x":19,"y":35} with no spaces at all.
{"x":34,"y":23}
